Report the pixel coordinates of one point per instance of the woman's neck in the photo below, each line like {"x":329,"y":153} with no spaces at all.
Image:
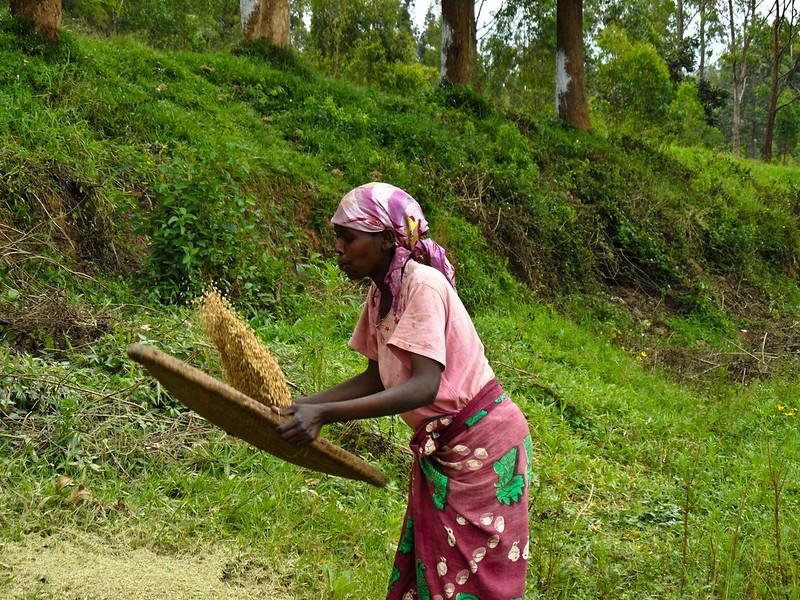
{"x":379,"y":279}
{"x":379,"y":276}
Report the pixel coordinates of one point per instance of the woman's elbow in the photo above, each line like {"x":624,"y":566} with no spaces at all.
{"x":427,"y":375}
{"x":429,"y":385}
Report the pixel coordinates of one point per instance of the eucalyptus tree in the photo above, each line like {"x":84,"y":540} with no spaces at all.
{"x":787,"y":127}
{"x":517,"y":55}
{"x":265,"y":20}
{"x":642,"y":20}
{"x":709,"y":29}
{"x":44,"y":14}
{"x":572,"y":103}
{"x":459,"y":62}
{"x":359,"y":36}
{"x":429,"y":40}
{"x":743,"y":19}
{"x":784,"y":64}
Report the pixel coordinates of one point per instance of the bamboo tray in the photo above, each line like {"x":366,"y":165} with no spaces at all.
{"x":245,"y":418}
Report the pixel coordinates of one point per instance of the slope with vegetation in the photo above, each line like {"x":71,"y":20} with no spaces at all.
{"x":639,"y":300}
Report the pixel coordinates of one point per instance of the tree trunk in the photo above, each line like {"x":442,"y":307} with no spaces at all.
{"x":739,"y":67}
{"x":265,"y":20}
{"x":459,"y":52}
{"x":738,"y":95}
{"x":702,"y":67}
{"x":774,"y":89}
{"x":572,"y":104}
{"x":753,"y":125}
{"x":45,"y":15}
{"x":679,"y":26}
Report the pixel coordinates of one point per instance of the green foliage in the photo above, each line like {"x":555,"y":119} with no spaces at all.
{"x":465,"y":98}
{"x":686,"y":115}
{"x":512,"y":147}
{"x":430,"y":40}
{"x":403,"y":78}
{"x":632,"y":79}
{"x":195,"y":24}
{"x":516,"y":62}
{"x":286,"y":58}
{"x":712,"y":97}
{"x":201,"y":231}
{"x":787,"y":128}
{"x":362,"y":39}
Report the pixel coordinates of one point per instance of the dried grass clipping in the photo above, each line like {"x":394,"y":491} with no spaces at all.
{"x":247,"y":364}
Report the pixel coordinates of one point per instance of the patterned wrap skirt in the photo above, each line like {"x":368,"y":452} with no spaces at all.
{"x":465,"y":533}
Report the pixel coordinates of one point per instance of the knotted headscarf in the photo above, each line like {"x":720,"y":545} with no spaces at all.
{"x":374,"y":207}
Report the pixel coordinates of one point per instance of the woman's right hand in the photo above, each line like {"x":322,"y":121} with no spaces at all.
{"x":305,"y":425}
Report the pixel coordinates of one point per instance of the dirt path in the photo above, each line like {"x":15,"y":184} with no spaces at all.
{"x":81,"y":566}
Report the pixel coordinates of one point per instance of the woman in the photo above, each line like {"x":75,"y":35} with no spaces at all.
{"x":465,"y":534}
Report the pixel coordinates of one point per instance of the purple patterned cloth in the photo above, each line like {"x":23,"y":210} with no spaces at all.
{"x":465,"y":533}
{"x":374,"y":207}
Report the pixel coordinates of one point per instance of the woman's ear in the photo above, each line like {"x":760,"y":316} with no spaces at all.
{"x":388,"y":240}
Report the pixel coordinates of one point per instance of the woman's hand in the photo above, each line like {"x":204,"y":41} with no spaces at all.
{"x":305,"y":425}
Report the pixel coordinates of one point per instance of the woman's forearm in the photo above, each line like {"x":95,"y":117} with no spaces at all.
{"x":419,"y":390}
{"x":309,"y":417}
{"x":364,"y":384}
{"x":399,"y":399}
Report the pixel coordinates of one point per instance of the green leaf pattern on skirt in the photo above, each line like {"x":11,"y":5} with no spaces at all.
{"x":475,"y":418}
{"x":407,"y":541}
{"x":439,"y":481}
{"x":423,"y":592}
{"x":510,"y":484}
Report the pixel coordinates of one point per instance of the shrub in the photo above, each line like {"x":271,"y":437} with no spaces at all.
{"x":200,"y":231}
{"x":408,"y":78}
{"x":633,"y":79}
{"x":686,"y":115}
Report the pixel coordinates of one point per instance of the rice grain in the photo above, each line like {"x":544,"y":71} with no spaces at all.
{"x":247,"y":363}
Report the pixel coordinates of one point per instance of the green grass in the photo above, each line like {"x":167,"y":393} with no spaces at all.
{"x":130,"y":177}
{"x":616,"y":444}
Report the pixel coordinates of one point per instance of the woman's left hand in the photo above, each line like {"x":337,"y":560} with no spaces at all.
{"x":306,"y":424}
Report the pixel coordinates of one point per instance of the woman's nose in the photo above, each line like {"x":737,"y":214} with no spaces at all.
{"x":339,"y":246}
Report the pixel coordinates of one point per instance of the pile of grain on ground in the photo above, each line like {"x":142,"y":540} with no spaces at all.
{"x":83,"y":566}
{"x":247,"y":364}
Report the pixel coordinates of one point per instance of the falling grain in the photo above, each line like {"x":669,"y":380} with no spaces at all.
{"x":247,"y":364}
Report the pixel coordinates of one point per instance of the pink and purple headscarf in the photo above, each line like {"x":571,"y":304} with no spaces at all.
{"x":374,"y":207}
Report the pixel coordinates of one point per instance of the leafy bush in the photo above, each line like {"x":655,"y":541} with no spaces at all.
{"x":201,"y":231}
{"x":787,"y":128}
{"x":686,"y":115}
{"x":633,"y":79}
{"x":465,"y":98}
{"x":408,"y":79}
{"x":195,"y":24}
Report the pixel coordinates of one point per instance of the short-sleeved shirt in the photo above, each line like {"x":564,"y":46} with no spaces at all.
{"x":433,"y":323}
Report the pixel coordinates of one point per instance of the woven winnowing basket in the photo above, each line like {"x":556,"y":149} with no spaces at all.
{"x":243,"y":417}
{"x":247,"y":364}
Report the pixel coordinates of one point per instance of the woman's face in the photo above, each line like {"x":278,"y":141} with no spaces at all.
{"x":363,"y":254}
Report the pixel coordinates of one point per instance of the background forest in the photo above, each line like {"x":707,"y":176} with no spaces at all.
{"x":634,"y":279}
{"x":670,"y":69}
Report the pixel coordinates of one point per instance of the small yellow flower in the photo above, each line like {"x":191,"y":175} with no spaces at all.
{"x":781,"y":407}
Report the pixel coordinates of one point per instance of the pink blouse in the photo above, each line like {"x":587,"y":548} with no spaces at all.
{"x":433,"y":323}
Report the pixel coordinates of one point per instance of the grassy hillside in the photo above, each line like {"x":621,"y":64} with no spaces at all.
{"x":639,"y":301}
